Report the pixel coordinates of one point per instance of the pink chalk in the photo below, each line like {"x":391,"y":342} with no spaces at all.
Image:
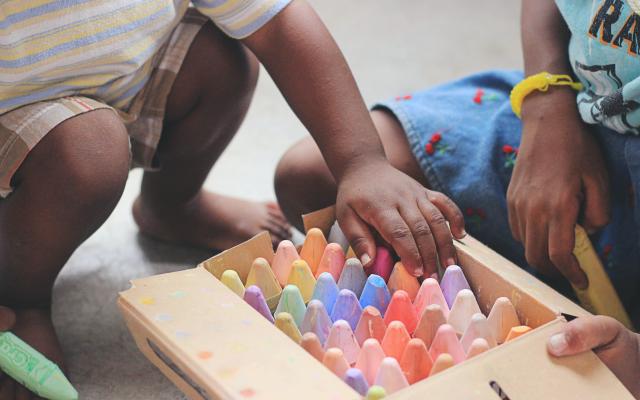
{"x":382,"y":264}
{"x":430,"y":293}
{"x":446,"y":341}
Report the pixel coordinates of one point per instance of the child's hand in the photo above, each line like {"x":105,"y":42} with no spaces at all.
{"x":559,"y":172}
{"x":617,"y":347}
{"x":7,"y":318}
{"x":406,"y":214}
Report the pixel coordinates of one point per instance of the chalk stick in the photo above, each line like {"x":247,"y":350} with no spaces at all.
{"x":341,"y":336}
{"x":335,"y":361}
{"x":291,"y":302}
{"x":286,"y":254}
{"x":446,"y":341}
{"x":316,"y":320}
{"x":347,"y":307}
{"x":355,"y":379}
{"x":390,"y":376}
{"x":313,"y":248}
{"x":376,"y":393}
{"x":401,"y":279}
{"x":430,"y":293}
{"x":452,"y":282}
{"x":431,"y":319}
{"x":285,"y":322}
{"x":395,"y":340}
{"x":401,"y":309}
{"x":353,"y":276}
{"x":336,"y":235}
{"x":254,"y":297}
{"x":382,"y":264}
{"x":370,"y":325}
{"x":326,"y":291}
{"x":464,"y":306}
{"x":444,"y":361}
{"x":369,"y":359}
{"x":231,"y":279}
{"x":312,"y":345}
{"x":517,"y":331}
{"x":302,"y":277}
{"x":416,"y":362}
{"x":375,"y":293}
{"x":478,"y":346}
{"x":502,"y":318}
{"x":478,"y":328}
{"x":332,"y":261}
{"x":262,"y":276}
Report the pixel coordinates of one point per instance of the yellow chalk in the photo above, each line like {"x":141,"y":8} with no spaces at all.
{"x":600,"y":297}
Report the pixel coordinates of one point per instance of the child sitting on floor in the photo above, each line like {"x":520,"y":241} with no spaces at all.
{"x":86,"y":87}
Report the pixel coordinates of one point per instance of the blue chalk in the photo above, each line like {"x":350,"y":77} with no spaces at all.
{"x":356,"y":380}
{"x":353,"y":276}
{"x":326,"y":291}
{"x":376,"y":294}
{"x":347,"y":308}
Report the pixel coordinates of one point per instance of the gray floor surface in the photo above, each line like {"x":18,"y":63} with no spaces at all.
{"x":393,"y":47}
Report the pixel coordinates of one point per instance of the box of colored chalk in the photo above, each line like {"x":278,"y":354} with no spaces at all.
{"x":312,"y":323}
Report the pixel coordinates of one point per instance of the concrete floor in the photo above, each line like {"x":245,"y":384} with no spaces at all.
{"x":393,"y":48}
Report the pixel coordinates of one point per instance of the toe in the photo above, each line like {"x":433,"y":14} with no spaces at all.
{"x":275,"y":212}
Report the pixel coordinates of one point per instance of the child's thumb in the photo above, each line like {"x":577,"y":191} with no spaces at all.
{"x":584,"y":334}
{"x":359,"y":236}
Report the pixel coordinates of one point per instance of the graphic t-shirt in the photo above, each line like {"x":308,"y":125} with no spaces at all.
{"x":605,"y":55}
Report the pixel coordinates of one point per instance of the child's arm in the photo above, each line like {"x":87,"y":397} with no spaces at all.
{"x":617,"y":347}
{"x":560,"y":170}
{"x":311,"y":72}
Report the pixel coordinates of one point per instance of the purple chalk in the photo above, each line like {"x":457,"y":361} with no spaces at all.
{"x":356,"y":380}
{"x":326,"y":291}
{"x":353,"y":276}
{"x":254,"y":297}
{"x":347,"y":307}
{"x":382,"y":264}
{"x":452,"y":282}
{"x":316,"y":320}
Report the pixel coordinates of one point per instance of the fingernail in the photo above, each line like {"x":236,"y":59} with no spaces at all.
{"x":451,"y":261}
{"x":365,"y":259}
{"x":418,"y":272}
{"x":558,"y":343}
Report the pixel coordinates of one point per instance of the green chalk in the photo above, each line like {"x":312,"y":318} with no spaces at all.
{"x":33,"y":370}
{"x":376,"y":393}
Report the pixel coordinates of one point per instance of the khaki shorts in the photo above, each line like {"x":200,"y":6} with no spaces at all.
{"x":21,"y":129}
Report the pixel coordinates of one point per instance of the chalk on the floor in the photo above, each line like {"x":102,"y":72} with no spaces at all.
{"x":316,"y":320}
{"x":254,"y":297}
{"x":286,"y":254}
{"x":353,"y":276}
{"x":375,"y":293}
{"x":395,"y":340}
{"x":431,"y":319}
{"x":313,"y":248}
{"x":332,"y":261}
{"x":401,"y":309}
{"x":452,"y":282}
{"x":370,"y":325}
{"x":326,"y":291}
{"x":347,"y":307}
{"x":291,"y":302}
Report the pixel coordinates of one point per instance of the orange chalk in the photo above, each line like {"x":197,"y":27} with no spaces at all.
{"x":401,"y":309}
{"x":302,"y":277}
{"x":390,"y":376}
{"x":478,"y":328}
{"x":341,"y":336}
{"x":446,"y":341}
{"x":478,"y":346}
{"x":311,"y":344}
{"x":430,"y":293}
{"x":464,"y":306}
{"x":395,"y":340}
{"x":286,"y":254}
{"x":332,"y":261}
{"x":369,"y":359}
{"x":401,"y":279}
{"x":370,"y":325}
{"x":313,"y":248}
{"x":262,"y":276}
{"x":431,"y":319}
{"x":444,"y":361}
{"x":517,"y":331}
{"x":416,"y":362}
{"x":335,"y":361}
{"x":502,"y":318}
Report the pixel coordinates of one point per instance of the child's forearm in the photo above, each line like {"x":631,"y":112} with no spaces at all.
{"x":313,"y":75}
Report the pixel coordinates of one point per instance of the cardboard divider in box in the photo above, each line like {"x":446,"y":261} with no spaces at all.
{"x":212,"y":345}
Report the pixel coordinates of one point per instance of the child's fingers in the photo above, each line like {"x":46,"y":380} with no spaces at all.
{"x":423,"y":237}
{"x":584,"y":334}
{"x":450,"y":211}
{"x":441,"y":234}
{"x":536,"y":250}
{"x":596,"y":204}
{"x":358,"y":234}
{"x":7,"y":318}
{"x":514,"y":221}
{"x":561,"y":242}
{"x":393,"y":228}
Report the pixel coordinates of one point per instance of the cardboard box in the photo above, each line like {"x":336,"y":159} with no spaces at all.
{"x":212,"y":345}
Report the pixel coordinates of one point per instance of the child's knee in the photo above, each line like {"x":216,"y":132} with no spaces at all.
{"x":84,"y":159}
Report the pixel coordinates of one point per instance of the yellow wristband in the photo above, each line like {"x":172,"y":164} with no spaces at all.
{"x":540,"y":82}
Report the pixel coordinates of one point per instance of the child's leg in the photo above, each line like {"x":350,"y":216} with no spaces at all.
{"x":64,"y":190}
{"x":205,"y":108}
{"x":304,"y":183}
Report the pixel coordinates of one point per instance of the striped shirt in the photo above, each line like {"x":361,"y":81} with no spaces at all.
{"x":102,"y":49}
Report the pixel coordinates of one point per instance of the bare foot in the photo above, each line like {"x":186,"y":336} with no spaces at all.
{"x":34,"y":327}
{"x":212,"y":221}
